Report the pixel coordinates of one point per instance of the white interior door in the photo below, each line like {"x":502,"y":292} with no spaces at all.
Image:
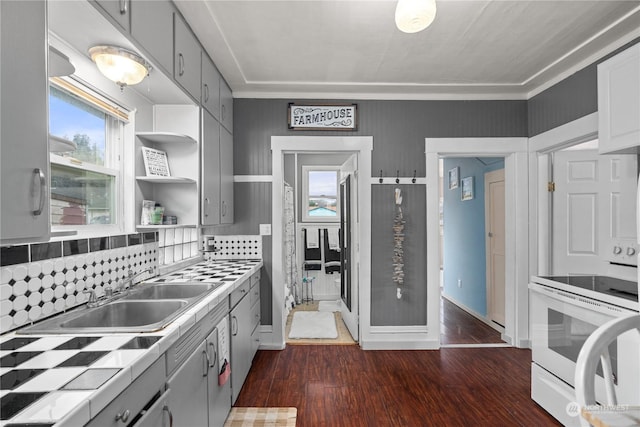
{"x":575,"y":218}
{"x":494,"y":226}
{"x":349,"y":244}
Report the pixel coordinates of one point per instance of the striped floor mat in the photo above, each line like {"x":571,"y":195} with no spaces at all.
{"x":245,"y":417}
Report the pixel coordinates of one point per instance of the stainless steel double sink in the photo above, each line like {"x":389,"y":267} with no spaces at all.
{"x":145,"y":308}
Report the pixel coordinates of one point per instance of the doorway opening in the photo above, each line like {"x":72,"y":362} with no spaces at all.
{"x":514,"y":152}
{"x":355,"y":162}
{"x":472,"y":257}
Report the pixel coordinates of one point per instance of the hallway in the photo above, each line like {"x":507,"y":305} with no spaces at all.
{"x":459,"y":327}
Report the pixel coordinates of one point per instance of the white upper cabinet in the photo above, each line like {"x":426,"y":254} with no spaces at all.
{"x":118,"y":10}
{"x":226,"y":106}
{"x":210,"y":97}
{"x":24,"y":152}
{"x":152,"y":27}
{"x":619,"y":102}
{"x":187,"y":58}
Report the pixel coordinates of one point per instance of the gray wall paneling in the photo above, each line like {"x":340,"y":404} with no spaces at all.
{"x":252,"y":207}
{"x":386,"y":308}
{"x":572,"y":98}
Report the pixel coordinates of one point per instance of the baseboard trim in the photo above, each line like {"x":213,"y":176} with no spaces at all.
{"x":477,"y":315}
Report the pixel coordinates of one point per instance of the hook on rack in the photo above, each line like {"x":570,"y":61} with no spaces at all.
{"x":397,"y":177}
{"x":413,"y":180}
{"x":380,"y":179}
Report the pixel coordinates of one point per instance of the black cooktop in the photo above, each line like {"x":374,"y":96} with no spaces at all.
{"x":603,"y":284}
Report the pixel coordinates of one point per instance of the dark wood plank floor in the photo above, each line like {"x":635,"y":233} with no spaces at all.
{"x":346,"y":386}
{"x":459,"y":327}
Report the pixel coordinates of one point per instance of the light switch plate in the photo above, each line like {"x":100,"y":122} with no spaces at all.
{"x":265,"y":229}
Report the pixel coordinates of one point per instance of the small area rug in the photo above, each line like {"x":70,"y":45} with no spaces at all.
{"x":313,"y":324}
{"x":329,"y":306}
{"x":268,"y":417}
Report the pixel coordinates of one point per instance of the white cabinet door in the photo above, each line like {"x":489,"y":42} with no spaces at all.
{"x":210,"y":86}
{"x":24,"y":148}
{"x":619,"y":102}
{"x":187,"y":58}
{"x":210,"y":203}
{"x":188,"y":399}
{"x":226,"y":107}
{"x":118,"y":10}
{"x":152,"y":27}
{"x":226,"y":177}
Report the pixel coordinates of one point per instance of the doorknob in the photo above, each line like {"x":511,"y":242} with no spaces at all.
{"x":490,"y":234}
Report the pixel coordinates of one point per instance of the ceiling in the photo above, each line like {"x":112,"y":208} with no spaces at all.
{"x":327,"y":49}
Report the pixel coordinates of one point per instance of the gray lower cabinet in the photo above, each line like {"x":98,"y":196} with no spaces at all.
{"x":218,"y":396}
{"x":240,"y":338}
{"x":152,"y":28}
{"x":188,"y":385}
{"x":130,"y":404}
{"x":24,"y":156}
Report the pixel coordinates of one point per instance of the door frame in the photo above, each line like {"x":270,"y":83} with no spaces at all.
{"x":515,"y":152}
{"x":489,"y":177}
{"x":363,"y":145}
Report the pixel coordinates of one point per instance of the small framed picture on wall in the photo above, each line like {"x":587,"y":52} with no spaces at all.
{"x":453,"y":177}
{"x":467,"y":188}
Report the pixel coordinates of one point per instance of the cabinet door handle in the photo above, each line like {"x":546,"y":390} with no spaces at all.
{"x":166,"y":408}
{"x":215,"y":355}
{"x":224,"y":110}
{"x":43,"y":190}
{"x":124,"y":416}
{"x":123,"y":7}
{"x":206,"y":363}
{"x":234,"y":329}
{"x":180,"y":64}
{"x":224,"y":208}
{"x":206,"y":92}
{"x":206,"y":208}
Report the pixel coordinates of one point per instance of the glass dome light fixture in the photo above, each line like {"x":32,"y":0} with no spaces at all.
{"x":413,"y":16}
{"x":120,"y":65}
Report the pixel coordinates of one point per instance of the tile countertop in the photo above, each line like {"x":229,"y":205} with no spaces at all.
{"x":68,"y":379}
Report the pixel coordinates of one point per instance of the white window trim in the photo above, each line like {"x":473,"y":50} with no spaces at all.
{"x":114,"y":155}
{"x":305,"y":194}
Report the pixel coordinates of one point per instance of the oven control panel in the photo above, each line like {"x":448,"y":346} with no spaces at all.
{"x":623,"y":251}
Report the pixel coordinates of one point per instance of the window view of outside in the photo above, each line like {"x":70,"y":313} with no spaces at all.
{"x":80,"y":193}
{"x":323,"y":191}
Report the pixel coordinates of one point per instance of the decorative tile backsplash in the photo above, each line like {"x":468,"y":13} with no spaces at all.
{"x":42,"y":279}
{"x":236,"y":247}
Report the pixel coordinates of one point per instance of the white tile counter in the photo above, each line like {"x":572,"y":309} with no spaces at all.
{"x":65,"y":380}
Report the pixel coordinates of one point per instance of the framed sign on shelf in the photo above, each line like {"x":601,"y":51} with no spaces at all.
{"x":155,"y":162}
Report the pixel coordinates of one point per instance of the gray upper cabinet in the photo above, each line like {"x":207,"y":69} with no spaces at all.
{"x":226,"y":106}
{"x":187,"y":58}
{"x":210,"y":97}
{"x":210,"y":202}
{"x":118,"y":10}
{"x":152,"y":28}
{"x":24,"y":152}
{"x":226,"y":176}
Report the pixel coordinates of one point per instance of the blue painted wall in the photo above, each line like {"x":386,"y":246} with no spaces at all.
{"x":464,"y":234}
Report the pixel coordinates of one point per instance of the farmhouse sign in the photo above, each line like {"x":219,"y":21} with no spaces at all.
{"x":322,"y":117}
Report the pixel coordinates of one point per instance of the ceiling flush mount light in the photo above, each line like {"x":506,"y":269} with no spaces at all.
{"x":120,"y":65}
{"x":415,"y":15}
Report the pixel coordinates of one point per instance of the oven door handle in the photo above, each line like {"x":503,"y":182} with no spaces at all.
{"x":579,"y":301}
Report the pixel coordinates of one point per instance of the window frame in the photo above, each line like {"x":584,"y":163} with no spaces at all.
{"x":115,"y":129}
{"x":306,"y":169}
